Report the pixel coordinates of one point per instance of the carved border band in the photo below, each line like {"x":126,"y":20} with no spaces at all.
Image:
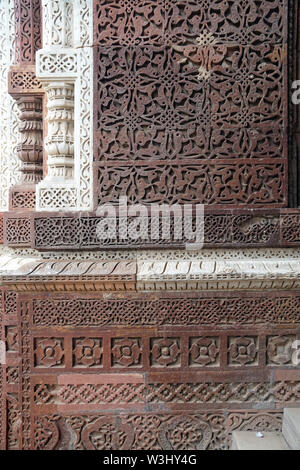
{"x":274,"y":228}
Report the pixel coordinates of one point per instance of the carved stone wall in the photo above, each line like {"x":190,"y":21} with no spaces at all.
{"x":151,"y":378}
{"x":191,"y":102}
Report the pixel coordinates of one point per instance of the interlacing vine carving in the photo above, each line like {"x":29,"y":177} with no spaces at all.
{"x":191,"y":102}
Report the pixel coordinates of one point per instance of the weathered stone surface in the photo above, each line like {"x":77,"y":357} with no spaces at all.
{"x":247,"y":440}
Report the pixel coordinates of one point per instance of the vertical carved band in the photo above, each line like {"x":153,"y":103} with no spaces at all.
{"x":2,"y":384}
{"x":9,"y":133}
{"x":60,"y":140}
{"x":57,"y":23}
{"x":26,"y":89}
{"x":27,"y":27}
{"x":67,"y":75}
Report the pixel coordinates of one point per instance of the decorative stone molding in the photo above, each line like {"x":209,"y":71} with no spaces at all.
{"x":218,"y":275}
{"x":150,"y":275}
{"x":232,"y":229}
{"x":68,"y":276}
{"x":65,"y":66}
{"x":210,"y":309}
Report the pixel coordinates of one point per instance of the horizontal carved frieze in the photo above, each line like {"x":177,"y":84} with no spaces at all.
{"x":149,"y":431}
{"x":68,"y":275}
{"x":232,"y":229}
{"x":180,"y":350}
{"x":207,"y":309}
{"x":114,"y":394}
{"x":154,"y":275}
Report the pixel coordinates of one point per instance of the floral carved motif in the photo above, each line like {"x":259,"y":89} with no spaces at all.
{"x":165,"y":352}
{"x":204,"y":351}
{"x":126,"y":352}
{"x":242,"y":350}
{"x":49,"y":352}
{"x":191,"y":105}
{"x":87,"y":352}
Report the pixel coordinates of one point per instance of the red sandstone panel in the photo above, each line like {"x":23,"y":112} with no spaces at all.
{"x":191,"y":102}
{"x":102,"y":368}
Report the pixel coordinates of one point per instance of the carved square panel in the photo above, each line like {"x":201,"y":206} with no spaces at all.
{"x":49,"y":352}
{"x":165,"y":352}
{"x":87,"y":352}
{"x":243,"y":351}
{"x":126,"y":352}
{"x":204,"y":351}
{"x":281,"y":349}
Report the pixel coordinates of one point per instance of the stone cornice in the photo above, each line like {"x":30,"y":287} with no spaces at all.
{"x":33,"y":274}
{"x":235,"y":274}
{"x":71,"y":276}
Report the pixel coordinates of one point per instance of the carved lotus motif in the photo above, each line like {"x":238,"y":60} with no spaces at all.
{"x":165,"y":352}
{"x":204,"y":351}
{"x":126,"y":352}
{"x":87,"y":352}
{"x":242,"y":350}
{"x":49,"y":352}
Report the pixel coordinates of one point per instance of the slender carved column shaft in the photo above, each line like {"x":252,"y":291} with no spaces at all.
{"x":30,"y":149}
{"x":60,"y":140}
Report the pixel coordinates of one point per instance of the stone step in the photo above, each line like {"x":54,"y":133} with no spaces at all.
{"x":249,"y":440}
{"x":291,"y":427}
